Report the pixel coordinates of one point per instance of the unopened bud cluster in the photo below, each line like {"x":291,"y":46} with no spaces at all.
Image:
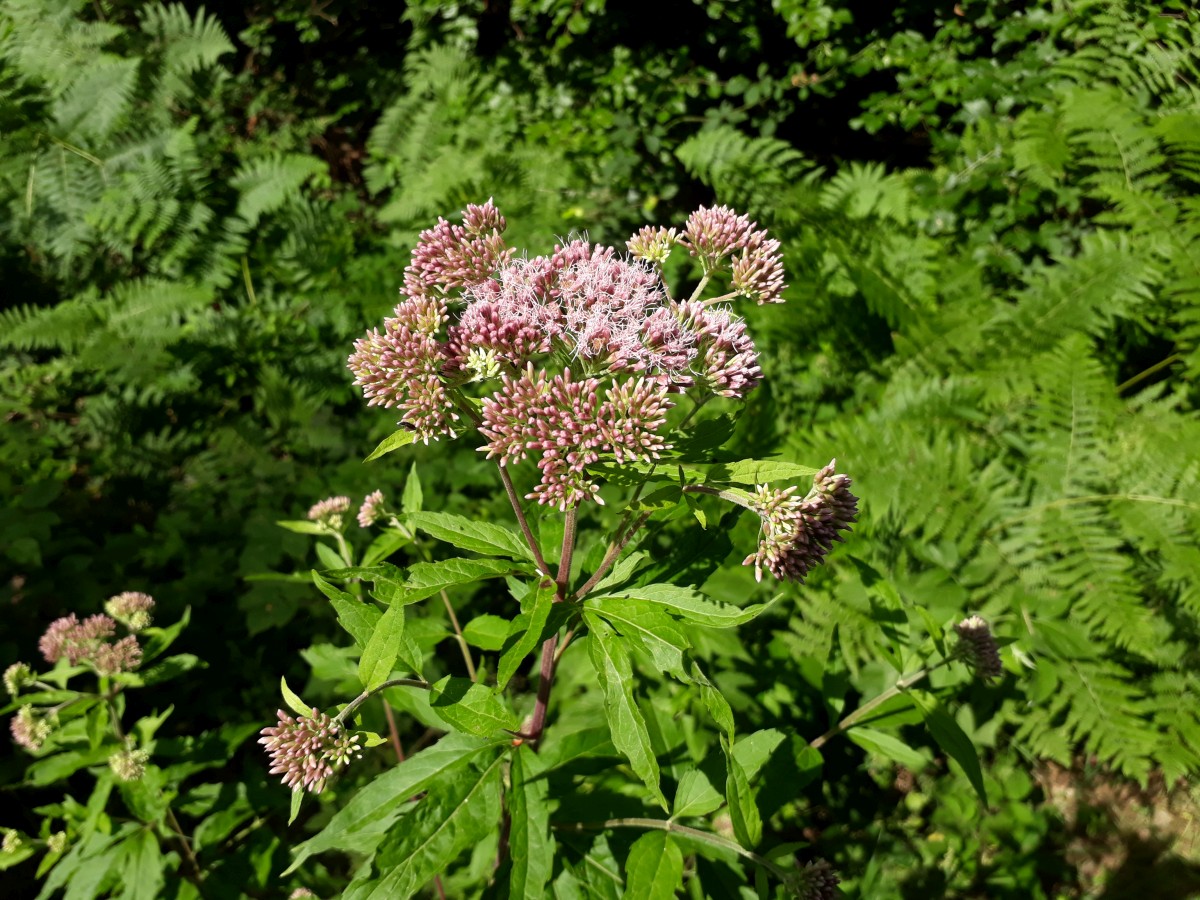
{"x":132,"y":609}
{"x":91,"y":641}
{"x":977,"y":647}
{"x":797,"y":533}
{"x":816,"y":881}
{"x":330,"y":512}
{"x":129,"y":765}
{"x":308,"y":750}
{"x":569,"y":358}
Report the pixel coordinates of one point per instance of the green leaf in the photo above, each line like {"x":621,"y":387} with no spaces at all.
{"x":360,"y":824}
{"x":455,"y":816}
{"x":379,"y":656}
{"x":393,"y":441}
{"x":426,"y":579}
{"x":141,"y":872}
{"x":887,"y":745}
{"x":689,"y":604}
{"x":470,"y":707}
{"x":486,"y":538}
{"x":294,"y":703}
{"x":303,"y":526}
{"x":297,"y":798}
{"x":487,"y":632}
{"x":654,"y":868}
{"x":743,"y":809}
{"x":695,"y":796}
{"x":413,"y":498}
{"x":758,"y":471}
{"x":628,"y":727}
{"x":951,"y":738}
{"x":650,"y":628}
{"x":357,"y":617}
{"x":156,"y":641}
{"x":54,"y":768}
{"x":384,"y":546}
{"x":531,"y":846}
{"x":526,"y":632}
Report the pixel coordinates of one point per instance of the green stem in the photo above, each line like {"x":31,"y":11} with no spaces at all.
{"x":353,"y":705}
{"x":699,"y":289}
{"x":870,"y":706}
{"x":704,"y":837}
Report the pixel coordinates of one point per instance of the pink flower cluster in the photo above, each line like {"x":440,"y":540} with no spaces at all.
{"x":797,"y":534}
{"x":89,"y":641}
{"x":308,"y":750}
{"x":626,"y":345}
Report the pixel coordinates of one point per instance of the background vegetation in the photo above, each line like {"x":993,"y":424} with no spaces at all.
{"x":992,"y":229}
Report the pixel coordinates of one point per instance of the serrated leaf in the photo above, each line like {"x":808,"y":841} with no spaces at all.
{"x":690,"y":604}
{"x":531,"y":845}
{"x":413,"y":498}
{"x":393,"y":441}
{"x":426,"y":579}
{"x":470,"y":707}
{"x":526,"y":632}
{"x":455,"y":816}
{"x":610,"y":656}
{"x":695,"y":796}
{"x":294,"y":703}
{"x":357,"y":617}
{"x":373,"y":810}
{"x":651,"y":629}
{"x":758,"y":471}
{"x":743,"y":809}
{"x":379,"y":656}
{"x":487,"y":538}
{"x":654,"y":868}
{"x":141,"y":871}
{"x":487,"y":632}
{"x":621,"y":572}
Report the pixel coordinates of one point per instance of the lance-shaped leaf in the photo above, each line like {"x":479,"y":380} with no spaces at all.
{"x":393,"y":441}
{"x":526,"y":632}
{"x":695,"y":796}
{"x":389,"y":642}
{"x":360,"y":824}
{"x":743,"y":809}
{"x":455,"y":816}
{"x":531,"y":846}
{"x":953,"y":740}
{"x":473,"y":708}
{"x":690,"y":604}
{"x":649,"y":627}
{"x":610,"y":656}
{"x":487,"y":538}
{"x":654,"y":868}
{"x":426,"y":579}
{"x":413,"y":498}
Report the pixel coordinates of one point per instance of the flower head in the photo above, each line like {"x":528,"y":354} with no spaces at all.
{"x":308,"y":750}
{"x":12,"y":841}
{"x":797,"y":534}
{"x":131,"y":608}
{"x":57,"y":842}
{"x":17,"y":676}
{"x":123,"y":656}
{"x":978,"y":648}
{"x":330,"y":512}
{"x":129,"y":765}
{"x":816,"y":881}
{"x":652,"y":244}
{"x":716,"y":232}
{"x":28,"y":729}
{"x":449,"y":256}
{"x":371,"y":510}
{"x":68,"y":637}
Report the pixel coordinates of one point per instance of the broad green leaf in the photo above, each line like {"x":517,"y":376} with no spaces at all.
{"x":426,"y":579}
{"x":755,"y":749}
{"x":293,"y":701}
{"x":951,"y":738}
{"x":393,"y":441}
{"x":654,"y":868}
{"x":455,"y":816}
{"x":621,"y":572}
{"x":54,"y":768}
{"x":558,"y":748}
{"x":743,"y":809}
{"x":384,"y":546}
{"x":758,"y":471}
{"x":413,"y":498}
{"x":526,"y":632}
{"x":649,"y":627}
{"x":486,"y":538}
{"x":156,"y":641}
{"x":328,"y":557}
{"x":357,"y":617}
{"x":387,"y":578}
{"x":625,"y":721}
{"x":690,"y":604}
{"x":887,"y":745}
{"x":360,"y":824}
{"x":379,"y":656}
{"x":531,"y":845}
{"x":473,"y":708}
{"x":141,"y":869}
{"x":695,"y":796}
{"x":487,"y":632}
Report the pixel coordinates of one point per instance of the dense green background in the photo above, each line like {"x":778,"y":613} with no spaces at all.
{"x":992,"y":231}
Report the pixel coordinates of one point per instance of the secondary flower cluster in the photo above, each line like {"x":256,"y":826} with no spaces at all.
{"x":978,"y":648}
{"x":307,"y":750}
{"x":90,"y":641}
{"x":798,"y":533}
{"x":571,"y":357}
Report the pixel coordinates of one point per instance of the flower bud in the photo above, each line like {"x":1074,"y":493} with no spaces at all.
{"x":131,"y":608}
{"x":29,"y":730}
{"x":308,"y":750}
{"x":330,"y":512}
{"x":57,"y":842}
{"x":17,"y":676}
{"x":977,"y":647}
{"x":129,"y":765}
{"x":12,"y":841}
{"x":816,"y":881}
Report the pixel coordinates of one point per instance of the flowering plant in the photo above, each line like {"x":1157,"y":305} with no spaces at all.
{"x":593,"y":386}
